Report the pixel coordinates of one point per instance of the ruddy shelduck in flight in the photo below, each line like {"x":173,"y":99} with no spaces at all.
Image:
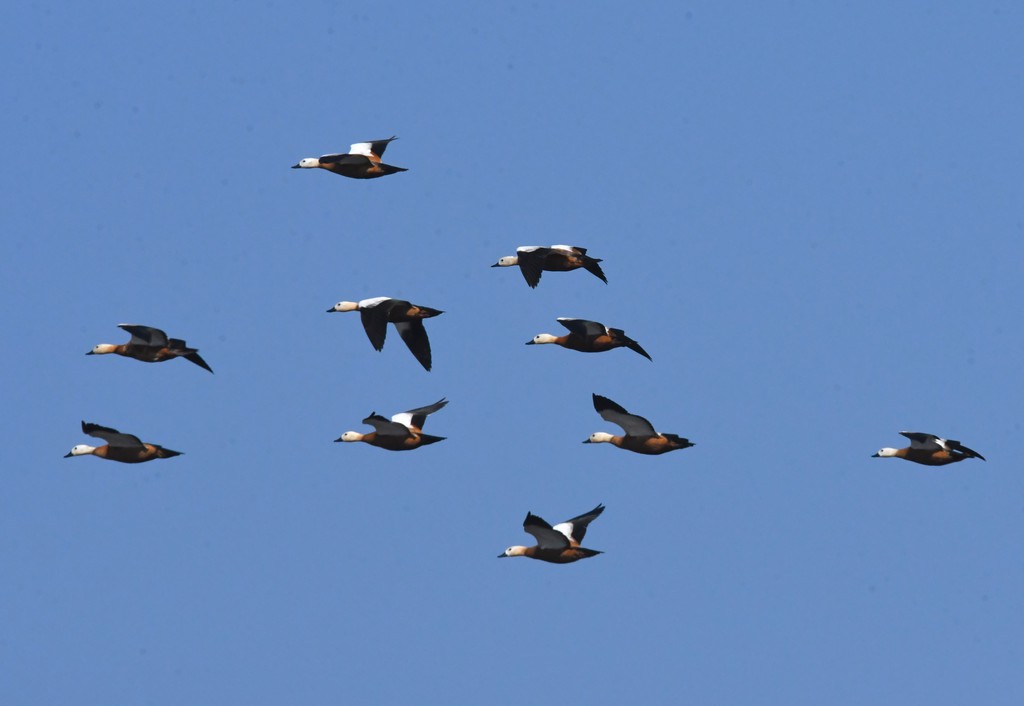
{"x":125,"y":448}
{"x":536,"y":259}
{"x":929,"y":450}
{"x":559,"y":544}
{"x":403,"y":432}
{"x":407,"y":318}
{"x":362,"y":161}
{"x":151,"y":345}
{"x":589,"y":337}
{"x":640,"y":436}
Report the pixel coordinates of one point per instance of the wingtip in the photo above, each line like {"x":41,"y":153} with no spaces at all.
{"x":637,"y":348}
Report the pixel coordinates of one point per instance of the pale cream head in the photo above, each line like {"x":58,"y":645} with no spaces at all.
{"x":345,"y":306}
{"x":507,"y":261}
{"x":599,"y":437}
{"x":81,"y":450}
{"x":886,"y":453}
{"x":352,"y":436}
{"x":513,"y":551}
{"x":308,"y":163}
{"x":544,"y":338}
{"x":101,"y":348}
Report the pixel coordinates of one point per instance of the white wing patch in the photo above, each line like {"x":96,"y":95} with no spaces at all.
{"x":565,"y":528}
{"x":370,"y":303}
{"x":363,"y":148}
{"x":403,"y":418}
{"x":928,"y":442}
{"x":564,"y":248}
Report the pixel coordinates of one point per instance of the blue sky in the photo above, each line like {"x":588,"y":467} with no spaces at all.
{"x":809,"y":214}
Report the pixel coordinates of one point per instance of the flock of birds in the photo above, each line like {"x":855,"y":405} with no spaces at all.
{"x":559,"y":544}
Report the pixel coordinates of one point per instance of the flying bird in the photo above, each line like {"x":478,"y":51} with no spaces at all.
{"x":362,"y":161}
{"x":125,"y":448}
{"x":151,"y":345}
{"x":590,"y":337}
{"x":559,"y":544}
{"x":403,"y":432}
{"x":535,"y":259}
{"x":929,"y":450}
{"x":640,"y":436}
{"x":407,"y":318}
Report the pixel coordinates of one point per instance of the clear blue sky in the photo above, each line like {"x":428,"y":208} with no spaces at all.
{"x":810,"y":214}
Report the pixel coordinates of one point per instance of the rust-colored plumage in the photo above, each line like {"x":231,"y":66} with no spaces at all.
{"x":589,"y":337}
{"x":929,"y":450}
{"x":151,"y":345}
{"x":376,"y":313}
{"x":362,"y":161}
{"x":124,"y":448}
{"x":403,"y":432}
{"x":640,"y":436}
{"x":559,"y":544}
{"x":533,"y":260}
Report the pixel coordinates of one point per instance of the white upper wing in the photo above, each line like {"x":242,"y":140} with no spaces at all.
{"x":363,"y":148}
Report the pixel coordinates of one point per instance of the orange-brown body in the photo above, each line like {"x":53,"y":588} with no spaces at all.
{"x":360,"y":167}
{"x":148,"y":452}
{"x":650,"y":445}
{"x":560,"y":556}
{"x":596,"y":344}
{"x":929,"y":458}
{"x":397,"y":443}
{"x":561,"y":261}
{"x":411,"y":313}
{"x":147,"y":354}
